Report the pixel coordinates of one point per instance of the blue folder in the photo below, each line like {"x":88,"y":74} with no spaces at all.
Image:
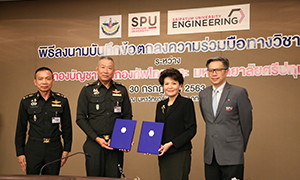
{"x":150,"y":137}
{"x":122,"y":135}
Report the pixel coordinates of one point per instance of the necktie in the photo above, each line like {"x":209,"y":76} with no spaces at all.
{"x":214,"y":103}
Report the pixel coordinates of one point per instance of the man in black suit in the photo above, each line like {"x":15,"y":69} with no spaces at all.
{"x":227,"y":112}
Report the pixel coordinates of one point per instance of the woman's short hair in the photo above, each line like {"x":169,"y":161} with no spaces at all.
{"x":171,"y":73}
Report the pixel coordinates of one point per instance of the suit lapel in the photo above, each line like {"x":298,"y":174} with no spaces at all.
{"x":223,"y":98}
{"x":174,"y":106}
{"x":209,"y":99}
{"x":209,"y":103}
{"x":164,"y":112}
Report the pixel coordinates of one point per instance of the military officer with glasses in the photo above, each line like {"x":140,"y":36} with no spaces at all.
{"x":227,"y":112}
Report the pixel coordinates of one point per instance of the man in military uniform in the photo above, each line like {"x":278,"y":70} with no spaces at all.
{"x":99,"y":104}
{"x":47,"y":112}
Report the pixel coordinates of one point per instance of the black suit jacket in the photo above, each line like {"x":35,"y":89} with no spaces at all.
{"x":180,"y":123}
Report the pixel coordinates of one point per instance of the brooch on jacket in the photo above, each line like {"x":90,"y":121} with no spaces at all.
{"x":163,"y":107}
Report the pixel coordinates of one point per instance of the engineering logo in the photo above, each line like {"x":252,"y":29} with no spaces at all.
{"x":110,"y":28}
{"x":240,"y":11}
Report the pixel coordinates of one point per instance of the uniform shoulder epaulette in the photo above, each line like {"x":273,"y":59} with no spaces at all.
{"x":117,"y":83}
{"x":59,"y":94}
{"x":29,"y":95}
{"x":91,"y":83}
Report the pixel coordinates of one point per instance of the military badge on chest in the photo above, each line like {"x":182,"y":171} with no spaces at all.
{"x":97,"y":106}
{"x":117,"y":108}
{"x":34,"y":104}
{"x":116,"y":93}
{"x":96,"y":93}
{"x":56,"y":103}
{"x":56,"y":118}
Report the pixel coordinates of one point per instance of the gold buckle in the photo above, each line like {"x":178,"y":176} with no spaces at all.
{"x":46,"y":140}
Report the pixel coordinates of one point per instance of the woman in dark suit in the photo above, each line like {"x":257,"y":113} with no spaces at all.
{"x":178,"y":114}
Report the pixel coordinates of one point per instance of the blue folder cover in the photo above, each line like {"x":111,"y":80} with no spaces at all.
{"x":150,"y":137}
{"x":122,"y":135}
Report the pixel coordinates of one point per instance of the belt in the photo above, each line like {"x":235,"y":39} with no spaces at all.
{"x":44,"y":140}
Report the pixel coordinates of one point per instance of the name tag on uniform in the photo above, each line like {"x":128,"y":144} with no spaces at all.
{"x":117,"y":109}
{"x":55,"y":120}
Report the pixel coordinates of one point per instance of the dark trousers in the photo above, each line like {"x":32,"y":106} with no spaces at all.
{"x":214,"y":171}
{"x":175,"y":166}
{"x":102,"y":162}
{"x":38,"y":154}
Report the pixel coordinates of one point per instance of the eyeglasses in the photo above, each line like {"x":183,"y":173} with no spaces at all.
{"x":218,"y":70}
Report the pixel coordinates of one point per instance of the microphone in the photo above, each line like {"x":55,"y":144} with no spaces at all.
{"x":87,"y":154}
{"x":121,"y":171}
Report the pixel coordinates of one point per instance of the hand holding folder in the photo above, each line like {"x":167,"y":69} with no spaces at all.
{"x":164,"y":148}
{"x":150,"y":137}
{"x":123,"y":134}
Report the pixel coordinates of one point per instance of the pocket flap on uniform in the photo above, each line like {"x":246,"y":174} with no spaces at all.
{"x":233,"y":138}
{"x":59,"y":110}
{"x":116,"y":98}
{"x":97,"y":99}
{"x":34,"y":110}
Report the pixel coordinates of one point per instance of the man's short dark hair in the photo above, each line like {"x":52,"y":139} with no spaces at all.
{"x":172,"y":73}
{"x":106,"y":57}
{"x":42,"y":69}
{"x":224,"y":60}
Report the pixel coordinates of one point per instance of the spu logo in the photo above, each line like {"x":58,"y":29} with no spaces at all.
{"x":144,"y":21}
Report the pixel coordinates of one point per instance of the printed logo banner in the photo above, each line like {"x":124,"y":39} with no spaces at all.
{"x":200,"y":20}
{"x":110,"y":26}
{"x":144,"y":24}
